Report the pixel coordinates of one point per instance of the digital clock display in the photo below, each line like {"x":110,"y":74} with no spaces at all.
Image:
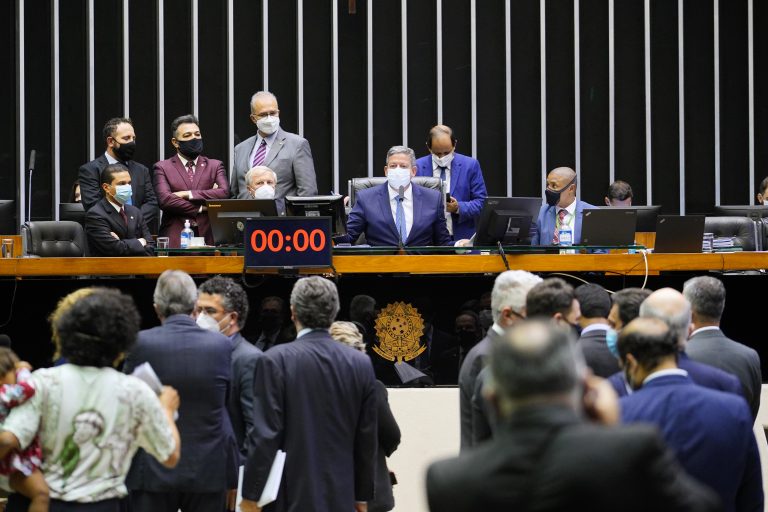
{"x":287,"y":242}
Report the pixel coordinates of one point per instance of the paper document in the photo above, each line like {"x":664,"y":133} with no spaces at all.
{"x":146,"y":373}
{"x":269,"y":494}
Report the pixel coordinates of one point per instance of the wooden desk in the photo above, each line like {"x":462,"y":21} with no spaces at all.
{"x":406,"y":264}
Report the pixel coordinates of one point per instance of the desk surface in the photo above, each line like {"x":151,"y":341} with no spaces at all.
{"x":400,"y":264}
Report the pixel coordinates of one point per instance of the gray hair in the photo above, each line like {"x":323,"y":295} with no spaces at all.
{"x":315,"y":302}
{"x":672,"y":307}
{"x":175,"y":294}
{"x":348,"y":334}
{"x":258,"y":170}
{"x":510,"y":289}
{"x":707,"y":297}
{"x":401,"y":150}
{"x":262,"y":95}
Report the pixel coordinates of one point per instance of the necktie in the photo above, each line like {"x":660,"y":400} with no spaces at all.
{"x":261,"y":153}
{"x":442,"y":173}
{"x":560,"y":217}
{"x":191,"y":170}
{"x":400,"y":219}
{"x":124,"y":216}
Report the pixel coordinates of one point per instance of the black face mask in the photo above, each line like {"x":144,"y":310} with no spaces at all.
{"x":553,"y":197}
{"x":191,"y":148}
{"x":125,"y":151}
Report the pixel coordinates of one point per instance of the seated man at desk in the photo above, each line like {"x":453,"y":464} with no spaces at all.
{"x":398,"y":213}
{"x":562,"y":208}
{"x":113,"y":227}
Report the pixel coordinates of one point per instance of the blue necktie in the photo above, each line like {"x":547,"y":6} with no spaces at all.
{"x":400,"y":219}
{"x":442,"y":173}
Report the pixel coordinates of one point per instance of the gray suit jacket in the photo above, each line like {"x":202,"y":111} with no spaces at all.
{"x":240,"y":400}
{"x":290,"y":158}
{"x":714,"y":348}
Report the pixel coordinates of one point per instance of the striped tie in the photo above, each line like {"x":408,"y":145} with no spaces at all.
{"x":258,"y":158}
{"x":560,"y":217}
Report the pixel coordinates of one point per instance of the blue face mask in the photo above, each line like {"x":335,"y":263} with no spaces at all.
{"x":612,"y":339}
{"x":123,"y":193}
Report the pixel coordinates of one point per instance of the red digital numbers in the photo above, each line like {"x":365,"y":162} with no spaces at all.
{"x":300,"y":241}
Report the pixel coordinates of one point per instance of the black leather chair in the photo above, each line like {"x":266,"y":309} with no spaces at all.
{"x":357,"y":184}
{"x":741,"y":228}
{"x":55,"y":239}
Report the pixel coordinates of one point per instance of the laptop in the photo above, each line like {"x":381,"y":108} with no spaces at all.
{"x":608,"y":226}
{"x":679,"y":234}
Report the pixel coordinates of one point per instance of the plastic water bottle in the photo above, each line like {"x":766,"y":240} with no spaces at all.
{"x":565,"y":236}
{"x":186,"y":235}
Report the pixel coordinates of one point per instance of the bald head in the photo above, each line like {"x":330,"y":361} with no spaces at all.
{"x":562,"y":180}
{"x":646,"y":345}
{"x":441,"y":141}
{"x":670,"y":306}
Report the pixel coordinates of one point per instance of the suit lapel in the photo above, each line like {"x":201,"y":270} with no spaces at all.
{"x":180,"y":169}
{"x":115,"y":220}
{"x":417,"y":206}
{"x":277,"y":145}
{"x":457,"y":169}
{"x":386,"y":210}
{"x":199,"y":170}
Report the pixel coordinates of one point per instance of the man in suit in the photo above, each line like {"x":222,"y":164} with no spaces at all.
{"x":709,"y":431}
{"x":507,"y":307}
{"x":186,"y":181}
{"x":120,"y":139}
{"x":114,"y":227}
{"x":272,"y":319}
{"x":285,"y":153}
{"x":707,"y":343}
{"x":595,"y":306}
{"x":398,"y":213}
{"x":547,"y":455}
{"x":315,"y":399}
{"x":197,"y":363}
{"x":261,"y":182}
{"x":562,"y":208}
{"x":461,"y":176}
{"x":625,"y":307}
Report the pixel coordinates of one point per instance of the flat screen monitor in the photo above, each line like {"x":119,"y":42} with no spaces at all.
{"x":509,"y":220}
{"x":228,"y":216}
{"x":753,"y":212}
{"x":646,"y":216}
{"x":72,"y":211}
{"x":8,"y":223}
{"x":319,"y":206}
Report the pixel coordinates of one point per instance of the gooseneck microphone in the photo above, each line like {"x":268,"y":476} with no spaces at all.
{"x":400,"y":199}
{"x":32,"y":155}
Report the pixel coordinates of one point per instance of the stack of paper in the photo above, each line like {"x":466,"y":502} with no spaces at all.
{"x":269,"y":494}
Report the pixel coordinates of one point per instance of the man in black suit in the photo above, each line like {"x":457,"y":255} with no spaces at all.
{"x":315,"y":399}
{"x":707,"y":343}
{"x":197,"y":363}
{"x":114,"y":227}
{"x":121,"y":144}
{"x":546,"y":457}
{"x":595,"y":306}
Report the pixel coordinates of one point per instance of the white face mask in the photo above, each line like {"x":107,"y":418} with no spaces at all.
{"x":264,"y":192}
{"x":207,"y":322}
{"x":268,"y":125}
{"x":443,"y":161}
{"x":398,"y":177}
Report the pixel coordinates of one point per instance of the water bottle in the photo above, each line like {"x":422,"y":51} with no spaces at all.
{"x":186,"y":235}
{"x":565,"y":236}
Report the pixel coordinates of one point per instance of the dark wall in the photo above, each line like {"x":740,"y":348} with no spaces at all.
{"x":316,"y":47}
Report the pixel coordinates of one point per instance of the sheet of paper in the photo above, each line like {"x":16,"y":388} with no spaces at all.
{"x":269,"y":494}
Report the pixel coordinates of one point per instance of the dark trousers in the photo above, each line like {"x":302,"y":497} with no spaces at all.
{"x":146,"y":501}
{"x":19,"y":503}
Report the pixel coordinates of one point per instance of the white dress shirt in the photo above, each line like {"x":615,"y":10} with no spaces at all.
{"x":407,"y":206}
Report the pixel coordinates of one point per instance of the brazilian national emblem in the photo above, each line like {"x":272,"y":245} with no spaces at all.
{"x":399,"y":327}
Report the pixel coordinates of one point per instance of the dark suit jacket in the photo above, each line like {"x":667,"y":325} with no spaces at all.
{"x":545,"y":224}
{"x":198,"y":364}
{"x":389,"y":439}
{"x":710,"y":433}
{"x":315,"y":399}
{"x":596,"y":353}
{"x":372,"y":216}
{"x":102,"y":219}
{"x":467,"y":186}
{"x":171,"y":176}
{"x":240,"y":402}
{"x":474,"y":362}
{"x":544,"y":459}
{"x":89,"y":177}
{"x":715,"y":348}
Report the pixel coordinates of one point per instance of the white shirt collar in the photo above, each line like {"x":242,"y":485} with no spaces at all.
{"x":436,"y":167}
{"x":110,"y":159}
{"x":571,"y":208}
{"x":269,"y":138}
{"x":116,"y":206}
{"x":407,"y":193}
{"x":702,"y":329}
{"x":664,"y":373}
{"x":497,"y":329}
{"x":184,"y":160}
{"x":595,"y":327}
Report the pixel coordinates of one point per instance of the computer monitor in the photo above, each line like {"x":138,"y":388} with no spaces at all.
{"x":8,"y":222}
{"x":646,"y":216}
{"x":319,"y":206}
{"x":228,"y":216}
{"x":72,"y":211}
{"x":509,"y":220}
{"x":753,"y":212}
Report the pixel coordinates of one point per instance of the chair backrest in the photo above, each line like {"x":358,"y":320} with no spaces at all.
{"x":741,"y":228}
{"x":357,"y":184}
{"x":55,"y":239}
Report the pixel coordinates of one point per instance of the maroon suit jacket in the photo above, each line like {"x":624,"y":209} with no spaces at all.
{"x":171,"y":176}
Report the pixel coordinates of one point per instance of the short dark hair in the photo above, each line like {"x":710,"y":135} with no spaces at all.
{"x":98,"y":327}
{"x":110,"y":127}
{"x":593,"y":300}
{"x":438,"y":130}
{"x":362,"y":308}
{"x":549,"y":297}
{"x":233,"y":297}
{"x":763,"y":185}
{"x":108,"y":173}
{"x":707,"y":297}
{"x":628,"y":303}
{"x":620,"y":190}
{"x":648,"y":346}
{"x":186,"y":118}
{"x":8,"y":360}
{"x":315,"y":302}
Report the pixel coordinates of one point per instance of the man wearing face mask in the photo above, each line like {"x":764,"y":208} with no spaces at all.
{"x":121,"y":145}
{"x":113,"y":226}
{"x":186,"y":181}
{"x":271,"y":319}
{"x":261,"y":182}
{"x":287,"y":154}
{"x":398,"y":213}
{"x":461,"y":176}
{"x":562,"y":208}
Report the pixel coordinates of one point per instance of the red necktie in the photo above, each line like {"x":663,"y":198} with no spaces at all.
{"x":191,"y":170}
{"x":561,"y":216}
{"x":124,"y":216}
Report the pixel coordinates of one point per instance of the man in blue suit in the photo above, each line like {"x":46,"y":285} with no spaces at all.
{"x":398,"y":213}
{"x":562,"y":208}
{"x":461,"y":176}
{"x":709,"y":431}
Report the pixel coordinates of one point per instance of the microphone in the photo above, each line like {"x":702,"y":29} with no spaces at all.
{"x":5,"y":341}
{"x":400,"y":198}
{"x":32,"y":155}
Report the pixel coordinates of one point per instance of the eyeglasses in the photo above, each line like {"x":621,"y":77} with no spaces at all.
{"x":262,"y":115}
